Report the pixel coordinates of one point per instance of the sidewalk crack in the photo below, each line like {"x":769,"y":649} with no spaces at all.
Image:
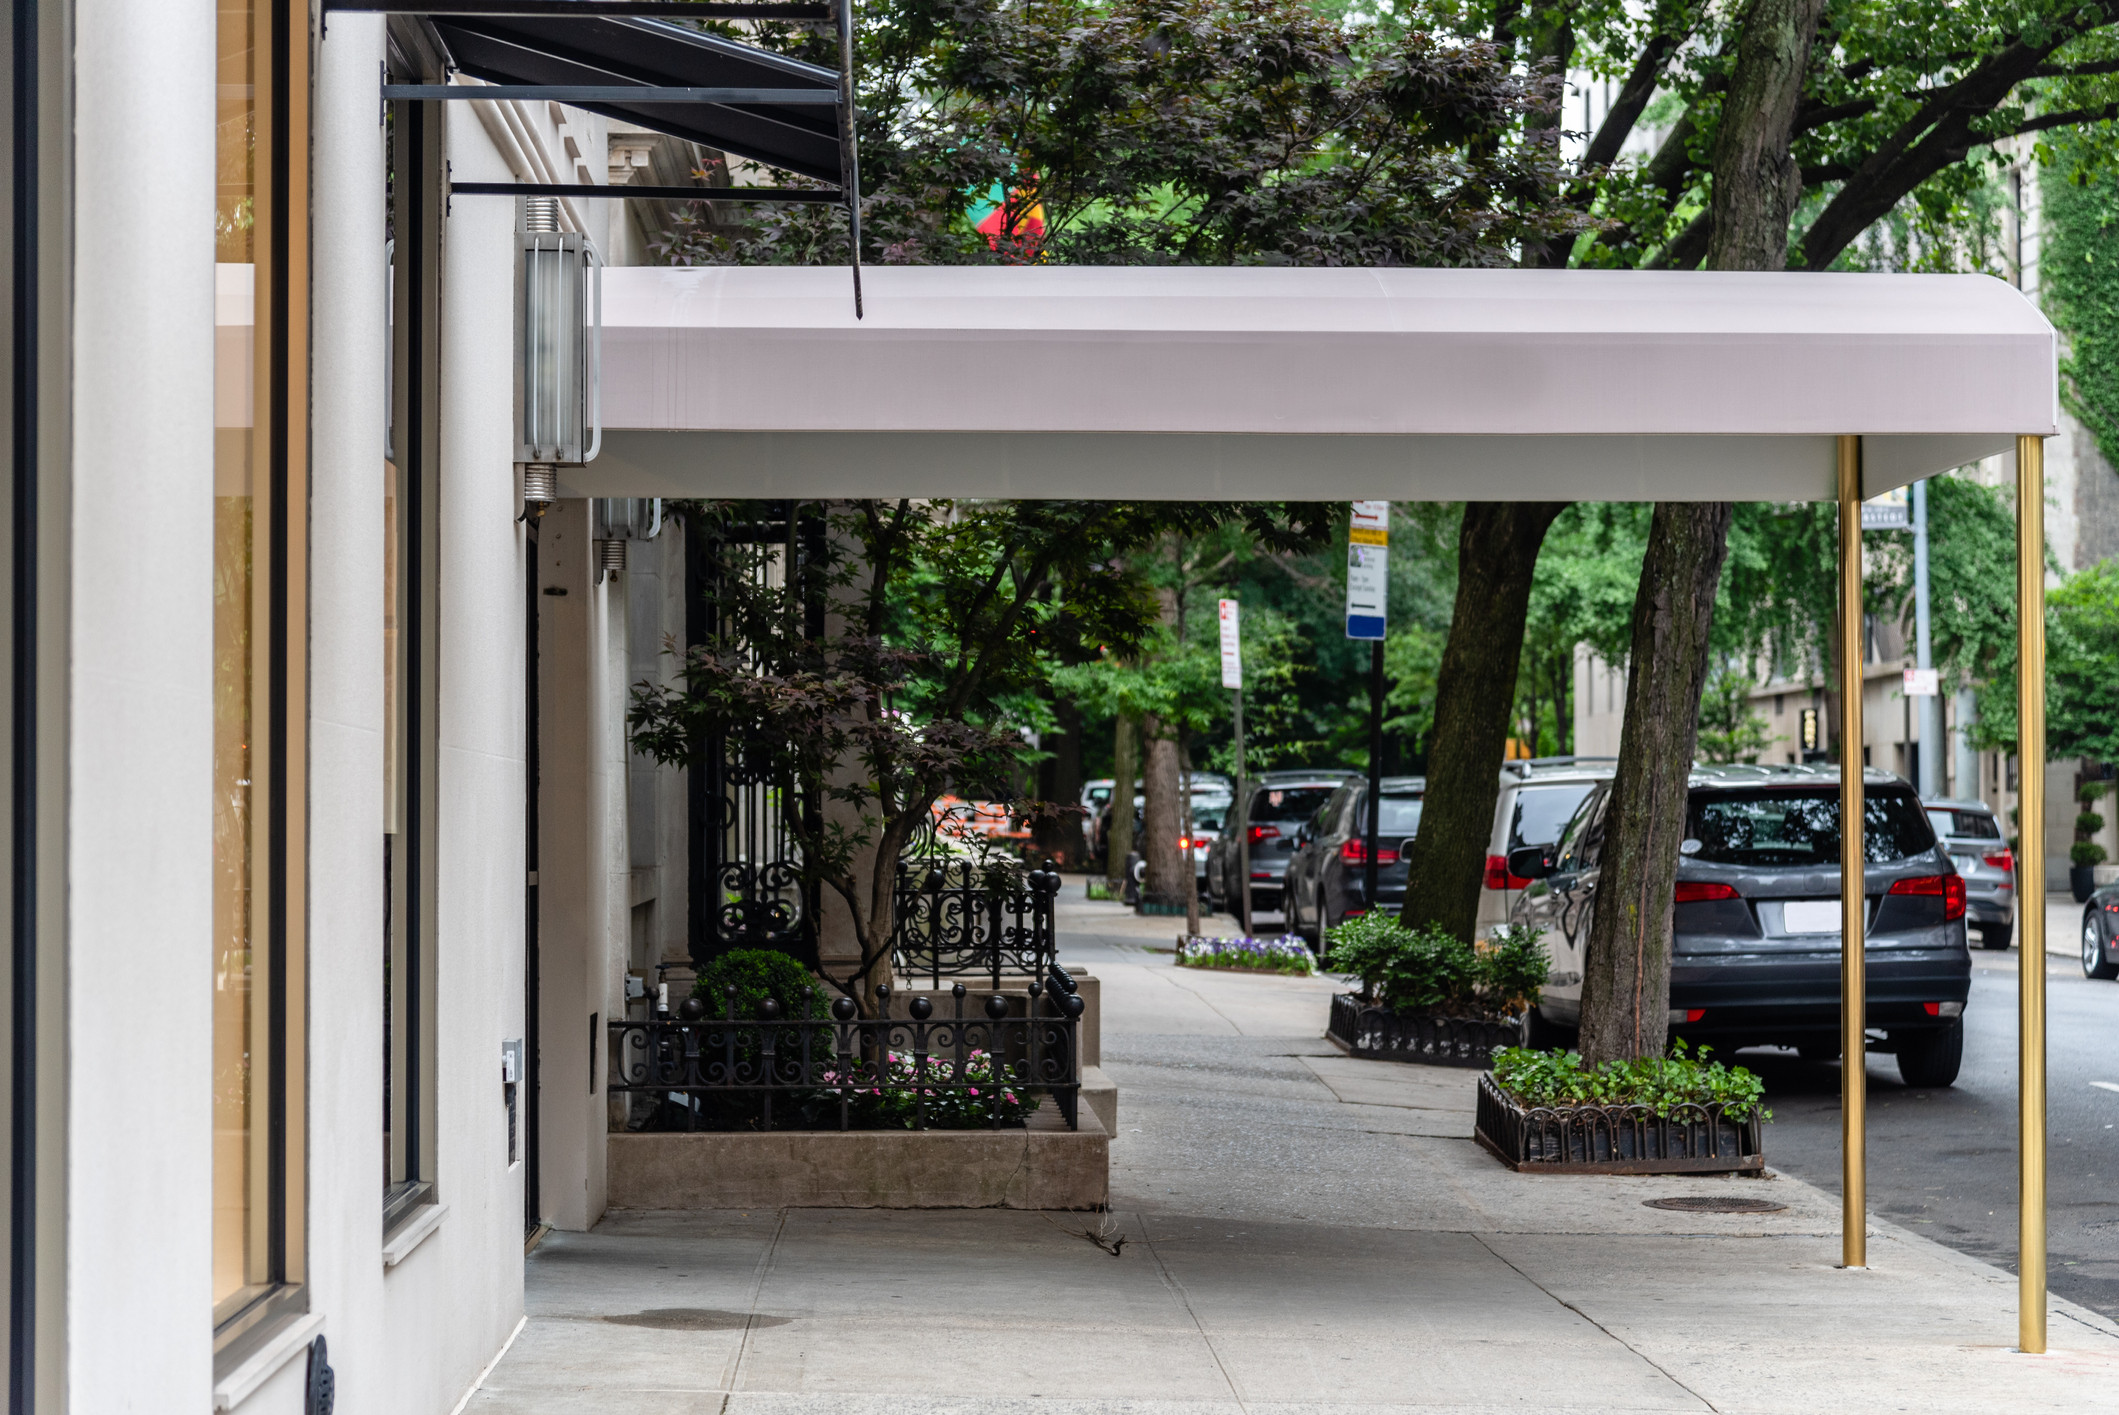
{"x":1170,"y":1280}
{"x":758,"y":1275}
{"x":1648,"y":1360}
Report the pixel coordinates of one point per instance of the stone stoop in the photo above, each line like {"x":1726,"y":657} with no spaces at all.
{"x":1043,"y":1166}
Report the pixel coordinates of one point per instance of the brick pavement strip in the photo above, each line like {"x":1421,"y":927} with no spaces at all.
{"x":1306,"y":1234}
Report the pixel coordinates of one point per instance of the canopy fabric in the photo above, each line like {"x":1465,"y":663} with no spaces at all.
{"x":519,"y":49}
{"x":1253,"y":383}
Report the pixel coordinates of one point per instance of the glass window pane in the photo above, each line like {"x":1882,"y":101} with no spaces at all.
{"x":239,"y":1249}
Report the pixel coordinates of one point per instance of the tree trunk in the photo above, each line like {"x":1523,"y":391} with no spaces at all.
{"x":1626,"y":977}
{"x":1626,"y":968}
{"x":1757,"y":181}
{"x":1475,"y":696}
{"x":1167,"y":864}
{"x":1059,"y":837}
{"x":1125,"y":765}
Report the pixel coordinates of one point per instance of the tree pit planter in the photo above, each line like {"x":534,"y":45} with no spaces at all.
{"x":1372,"y":1032}
{"x":1615,"y":1139}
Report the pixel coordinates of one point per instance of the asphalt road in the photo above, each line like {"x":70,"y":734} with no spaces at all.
{"x":1943,"y":1163}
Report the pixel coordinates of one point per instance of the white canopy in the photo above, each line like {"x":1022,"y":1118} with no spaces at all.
{"x":1260,"y":383}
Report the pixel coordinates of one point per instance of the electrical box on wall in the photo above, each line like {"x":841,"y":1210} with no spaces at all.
{"x":510,"y":1089}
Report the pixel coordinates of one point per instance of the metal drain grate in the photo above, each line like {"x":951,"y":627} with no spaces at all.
{"x":1714,"y":1204}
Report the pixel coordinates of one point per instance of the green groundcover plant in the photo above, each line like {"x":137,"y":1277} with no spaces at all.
{"x":1662,"y":1083}
{"x":1286,"y":954}
{"x":1430,"y":970}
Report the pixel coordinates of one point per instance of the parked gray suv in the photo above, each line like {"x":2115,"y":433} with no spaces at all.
{"x":1756,"y":948}
{"x":1281,"y":804}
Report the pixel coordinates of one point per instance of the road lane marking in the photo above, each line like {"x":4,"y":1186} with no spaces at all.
{"x":2106,"y":1085}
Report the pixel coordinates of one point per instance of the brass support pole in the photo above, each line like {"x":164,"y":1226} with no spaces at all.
{"x":1853,"y":976}
{"x":2030,"y":892}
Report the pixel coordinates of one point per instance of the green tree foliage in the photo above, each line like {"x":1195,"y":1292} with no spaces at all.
{"x":947,"y":612}
{"x":1729,"y":730}
{"x":1186,"y":131}
{"x":2079,"y":275}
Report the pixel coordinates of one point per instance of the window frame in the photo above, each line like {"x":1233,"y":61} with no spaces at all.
{"x":418,"y":163}
{"x":279,"y":838}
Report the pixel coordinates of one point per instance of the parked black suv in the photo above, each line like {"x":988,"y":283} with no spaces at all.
{"x":1327,"y":875}
{"x":1756,"y":948}
{"x":1281,"y":804}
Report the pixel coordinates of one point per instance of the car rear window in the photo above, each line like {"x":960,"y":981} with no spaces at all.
{"x":1289,"y":803}
{"x":1967,"y":825}
{"x":1542,"y":812}
{"x":1400,"y":816}
{"x":1801,"y":828}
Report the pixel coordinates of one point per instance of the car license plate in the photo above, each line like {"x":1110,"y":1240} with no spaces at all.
{"x":1810,"y":916}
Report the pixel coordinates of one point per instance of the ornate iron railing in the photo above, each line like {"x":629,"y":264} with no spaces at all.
{"x":1616,"y":1139}
{"x":957,"y":918}
{"x":916,"y":1071}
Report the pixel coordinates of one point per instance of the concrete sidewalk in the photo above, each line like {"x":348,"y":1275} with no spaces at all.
{"x":1303,"y":1233}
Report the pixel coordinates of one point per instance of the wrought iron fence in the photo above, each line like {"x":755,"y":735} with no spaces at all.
{"x":1617,"y":1139}
{"x":955,"y":918}
{"x":843,"y":1071}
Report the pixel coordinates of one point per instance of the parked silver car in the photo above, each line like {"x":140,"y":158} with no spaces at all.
{"x":1969,"y":831}
{"x":1537,"y":799}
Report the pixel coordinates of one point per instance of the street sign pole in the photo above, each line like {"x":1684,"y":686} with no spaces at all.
{"x":1240,"y":812}
{"x":1367,"y":597}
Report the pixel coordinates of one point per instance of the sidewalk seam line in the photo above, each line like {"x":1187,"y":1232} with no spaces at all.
{"x":1171,"y":1280}
{"x":1646,"y":1359}
{"x":750,"y":1314}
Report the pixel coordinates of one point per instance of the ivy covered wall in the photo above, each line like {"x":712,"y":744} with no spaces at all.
{"x":2079,"y":275}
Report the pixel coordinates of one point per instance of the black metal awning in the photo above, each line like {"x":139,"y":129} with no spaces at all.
{"x":798,"y":136}
{"x":597,"y":54}
{"x":790,"y":120}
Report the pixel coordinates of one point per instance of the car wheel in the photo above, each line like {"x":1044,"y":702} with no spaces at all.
{"x":1930,"y":1059}
{"x":1998,"y":936}
{"x":2094,"y":963}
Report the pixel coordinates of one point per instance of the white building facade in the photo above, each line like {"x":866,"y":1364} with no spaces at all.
{"x":294,"y":681}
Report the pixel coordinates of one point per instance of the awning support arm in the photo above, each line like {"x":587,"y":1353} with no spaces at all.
{"x":587,"y":9}
{"x":604,"y":93}
{"x":829,"y":195}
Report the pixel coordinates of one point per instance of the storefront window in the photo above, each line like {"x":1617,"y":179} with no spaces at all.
{"x":260,"y":398}
{"x":239,"y":1270}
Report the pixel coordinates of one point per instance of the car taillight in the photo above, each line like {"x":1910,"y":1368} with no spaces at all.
{"x":1498,"y":877}
{"x":2006,"y":860}
{"x":1694,"y":1014}
{"x":1950,"y":888}
{"x":1264,"y":832}
{"x":1356,"y":852}
{"x":1696,"y":891}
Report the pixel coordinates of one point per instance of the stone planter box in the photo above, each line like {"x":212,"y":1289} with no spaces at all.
{"x":1618,"y":1139}
{"x":1366,"y":1030}
{"x":1042,"y":1166}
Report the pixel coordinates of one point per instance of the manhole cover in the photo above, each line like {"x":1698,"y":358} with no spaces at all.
{"x":1715,"y":1204}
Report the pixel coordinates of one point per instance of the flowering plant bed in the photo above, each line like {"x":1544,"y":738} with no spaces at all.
{"x":1368,"y":1030}
{"x":1545,"y":1113}
{"x":1286,"y":954}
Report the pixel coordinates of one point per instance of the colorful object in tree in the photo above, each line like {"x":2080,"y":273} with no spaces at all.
{"x":990,"y":211}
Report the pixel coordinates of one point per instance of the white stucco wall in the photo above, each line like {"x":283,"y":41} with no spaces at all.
{"x":140,"y":839}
